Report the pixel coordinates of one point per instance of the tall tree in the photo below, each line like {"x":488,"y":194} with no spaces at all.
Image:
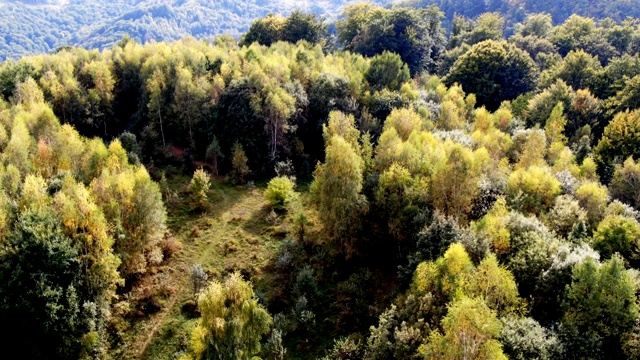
{"x":494,"y":71}
{"x":232,"y":322}
{"x":338,"y":187}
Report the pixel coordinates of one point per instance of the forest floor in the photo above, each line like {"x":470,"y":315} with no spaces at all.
{"x":237,"y":233}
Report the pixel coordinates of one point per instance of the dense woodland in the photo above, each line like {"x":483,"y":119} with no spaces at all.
{"x":470,"y":194}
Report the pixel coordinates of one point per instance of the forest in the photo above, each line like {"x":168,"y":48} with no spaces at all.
{"x":399,"y":184}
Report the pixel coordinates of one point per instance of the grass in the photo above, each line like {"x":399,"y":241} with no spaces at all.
{"x":238,"y":232}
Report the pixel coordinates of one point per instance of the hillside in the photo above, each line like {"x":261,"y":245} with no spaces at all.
{"x":385,"y":191}
{"x":31,"y":27}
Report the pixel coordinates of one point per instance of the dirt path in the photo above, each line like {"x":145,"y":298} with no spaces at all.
{"x":158,"y":321}
{"x":228,"y":237}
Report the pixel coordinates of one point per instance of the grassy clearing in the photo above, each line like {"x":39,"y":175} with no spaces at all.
{"x":237,"y":233}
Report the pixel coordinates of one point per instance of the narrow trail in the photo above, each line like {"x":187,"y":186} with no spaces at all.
{"x":158,"y":321}
{"x":236,"y":224}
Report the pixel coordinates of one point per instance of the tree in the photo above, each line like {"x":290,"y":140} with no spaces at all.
{"x":190,"y":101}
{"x":525,"y":339}
{"x":214,"y":154}
{"x":132,"y":204}
{"x":495,"y":71}
{"x":454,"y":181}
{"x":199,"y":188}
{"x":601,"y":302}
{"x":538,"y":25}
{"x":533,"y":190}
{"x":280,"y":192}
{"x":446,"y":277}
{"x":627,"y":98}
{"x":470,"y":329}
{"x":301,"y":26}
{"x":565,"y":215}
{"x":495,"y":285}
{"x":618,"y":234}
{"x":100,"y":86}
{"x":198,"y":279}
{"x":621,"y":140}
{"x":554,"y":128}
{"x":625,"y":185}
{"x":541,"y":105}
{"x":578,"y":69}
{"x":488,"y":26}
{"x":296,"y":27}
{"x":43,"y":313}
{"x":264,"y":31}
{"x":156,"y":86}
{"x":239,"y":167}
{"x":27,"y":93}
{"x":338,"y":186}
{"x":232,"y":322}
{"x":387,"y":71}
{"x":593,"y":197}
{"x":416,"y":35}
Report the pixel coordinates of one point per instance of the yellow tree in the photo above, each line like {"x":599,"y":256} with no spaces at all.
{"x":454,"y":181}
{"x":232,"y":322}
{"x":338,"y":186}
{"x":471,"y":331}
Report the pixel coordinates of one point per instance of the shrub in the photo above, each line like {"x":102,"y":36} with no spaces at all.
{"x":199,"y":187}
{"x":280,"y":192}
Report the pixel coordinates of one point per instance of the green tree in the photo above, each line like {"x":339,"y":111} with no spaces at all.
{"x":538,"y":25}
{"x":565,"y":215}
{"x":621,"y":140}
{"x":43,"y":311}
{"x":618,"y":234}
{"x":214,"y":154}
{"x":338,"y":186}
{"x":495,"y":71}
{"x":264,"y":31}
{"x":554,"y":128}
{"x":156,"y":86}
{"x":232,"y":322}
{"x":454,"y":181}
{"x":601,"y":302}
{"x":525,"y":339}
{"x":190,"y":101}
{"x":416,"y":35}
{"x":303,"y":26}
{"x":199,"y":188}
{"x":387,"y":71}
{"x":132,"y":204}
{"x":239,"y":167}
{"x":542,"y":104}
{"x":578,"y":69}
{"x":625,"y":185}
{"x":488,"y":26}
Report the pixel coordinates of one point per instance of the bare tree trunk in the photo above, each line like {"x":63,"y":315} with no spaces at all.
{"x":160,"y":117}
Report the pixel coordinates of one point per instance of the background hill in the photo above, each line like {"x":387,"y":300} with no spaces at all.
{"x":36,"y":26}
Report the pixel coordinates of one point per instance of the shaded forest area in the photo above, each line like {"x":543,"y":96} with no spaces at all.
{"x":429,"y":195}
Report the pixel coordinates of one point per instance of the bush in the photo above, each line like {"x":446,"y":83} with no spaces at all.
{"x":280,"y":192}
{"x":199,"y":187}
